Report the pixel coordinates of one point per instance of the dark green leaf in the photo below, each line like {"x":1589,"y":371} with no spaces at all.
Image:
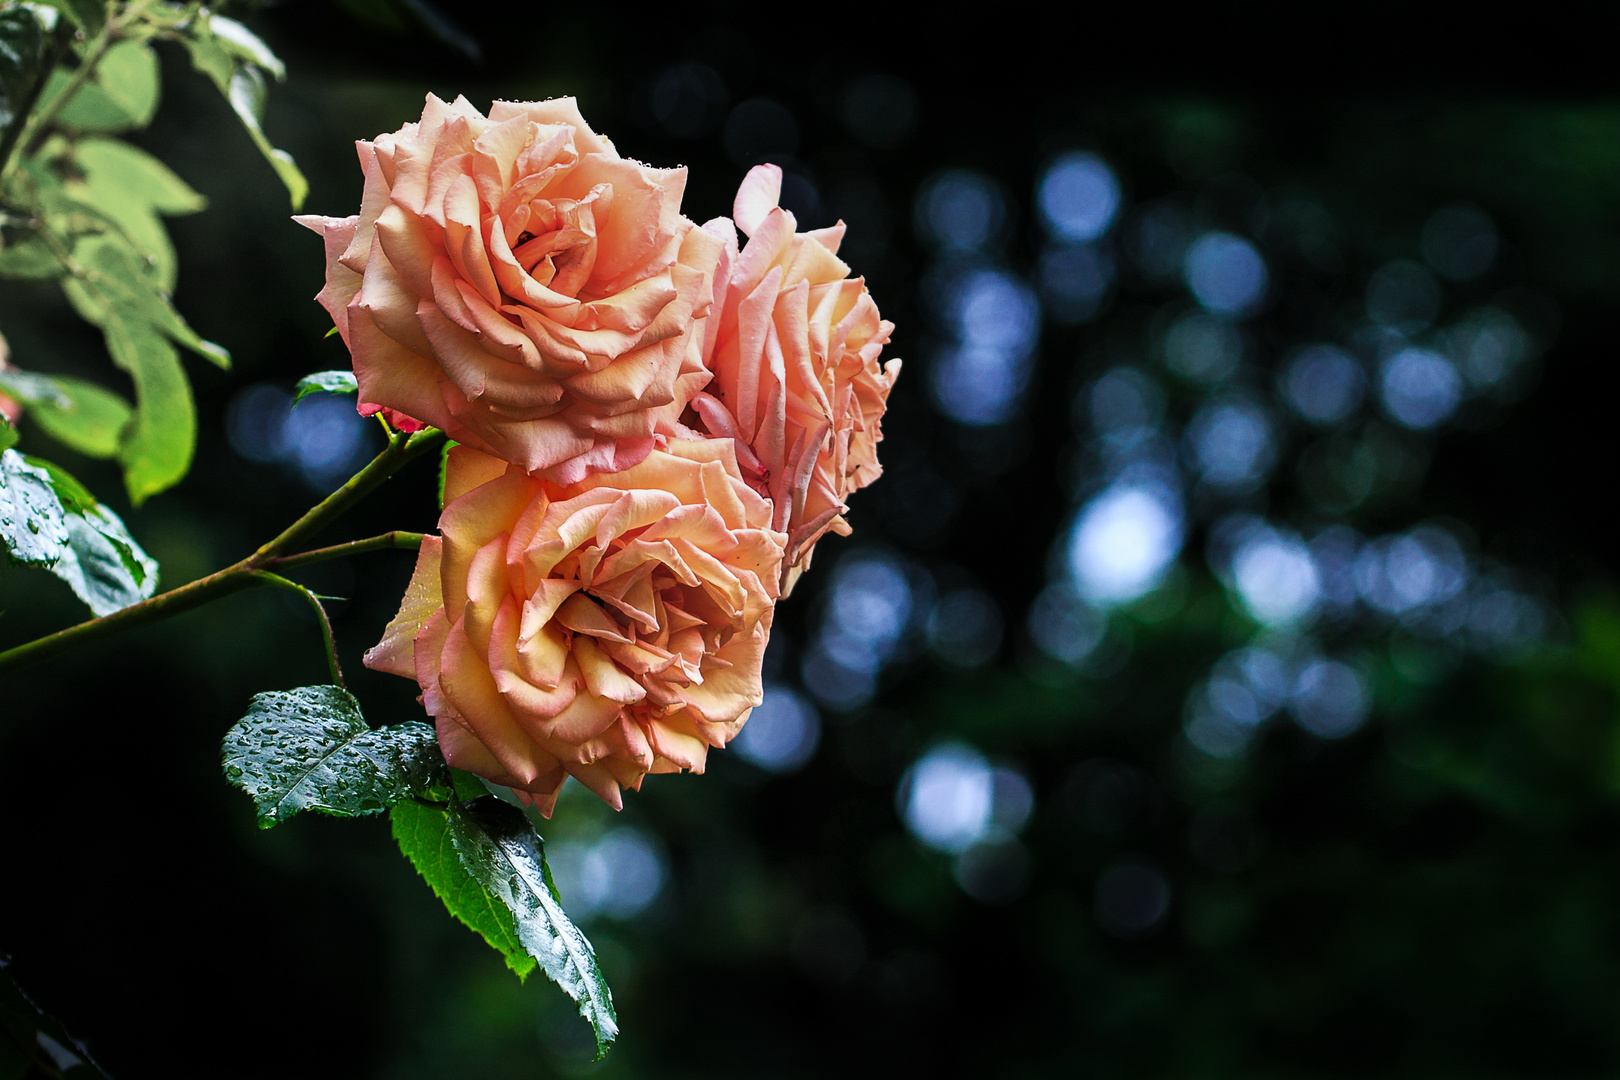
{"x":8,"y":434}
{"x":123,"y":93}
{"x":22,"y":48}
{"x":33,"y":1044}
{"x":102,"y":563}
{"x":328,"y":382}
{"x":310,"y":749}
{"x":76,"y":413}
{"x":499,"y":848}
{"x":33,"y":525}
{"x":423,"y":834}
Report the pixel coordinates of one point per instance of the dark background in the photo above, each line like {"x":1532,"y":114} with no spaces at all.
{"x":1435,"y":893}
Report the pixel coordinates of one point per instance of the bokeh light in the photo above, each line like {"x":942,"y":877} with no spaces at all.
{"x":1226,"y":273}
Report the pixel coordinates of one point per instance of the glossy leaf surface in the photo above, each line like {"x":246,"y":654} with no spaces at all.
{"x":310,"y":749}
{"x":327,"y":382}
{"x":33,"y":525}
{"x":102,"y":563}
{"x":498,"y":847}
{"x":423,"y":834}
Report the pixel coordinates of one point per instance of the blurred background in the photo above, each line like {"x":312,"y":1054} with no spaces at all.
{"x":1223,"y":680}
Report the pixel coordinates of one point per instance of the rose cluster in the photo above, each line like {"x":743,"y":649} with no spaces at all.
{"x":656,"y":423}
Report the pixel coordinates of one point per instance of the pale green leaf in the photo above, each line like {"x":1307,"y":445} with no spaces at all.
{"x":33,"y":525}
{"x":157,"y":448}
{"x":76,"y":413}
{"x":327,"y":382}
{"x":117,"y":276}
{"x":108,"y":163}
{"x":122,"y":94}
{"x":246,"y":45}
{"x":31,"y":260}
{"x":311,"y":749}
{"x":87,"y":15}
{"x":235,"y":60}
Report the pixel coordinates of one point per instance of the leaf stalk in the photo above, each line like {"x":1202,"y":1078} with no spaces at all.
{"x":258,"y":569}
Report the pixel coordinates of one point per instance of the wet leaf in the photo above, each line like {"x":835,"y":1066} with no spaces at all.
{"x":102,"y":563}
{"x":310,"y":749}
{"x":327,"y":382}
{"x":423,"y":834}
{"x":498,"y":847}
{"x":33,"y":525}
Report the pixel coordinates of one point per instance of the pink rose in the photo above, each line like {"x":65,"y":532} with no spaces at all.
{"x":514,"y":281}
{"x":794,"y":344}
{"x":603,"y":629}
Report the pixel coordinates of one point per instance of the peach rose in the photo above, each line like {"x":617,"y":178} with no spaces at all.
{"x":794,"y":344}
{"x":603,"y":629}
{"x":514,"y":281}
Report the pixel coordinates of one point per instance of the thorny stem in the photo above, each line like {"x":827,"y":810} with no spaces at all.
{"x":257,"y":569}
{"x":267,"y":578}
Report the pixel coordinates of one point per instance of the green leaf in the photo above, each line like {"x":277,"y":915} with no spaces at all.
{"x":499,"y":849}
{"x":310,"y":749}
{"x":229,"y":54}
{"x":423,"y":835}
{"x":122,"y":94}
{"x":102,"y":564}
{"x":30,"y":259}
{"x":156,"y":450}
{"x":76,"y":413}
{"x":8,"y":434}
{"x":113,"y":163}
{"x":326,"y":382}
{"x":117,"y":279}
{"x":131,"y":187}
{"x":33,"y":525}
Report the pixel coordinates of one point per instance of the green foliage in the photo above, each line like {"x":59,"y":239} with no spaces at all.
{"x":8,"y":434}
{"x":121,"y":95}
{"x":423,"y":834}
{"x":132,"y":188}
{"x":102,"y":563}
{"x":33,"y":525}
{"x":497,"y":847}
{"x":487,"y":864}
{"x":237,"y":61}
{"x":311,"y":749}
{"x":326,"y":382}
{"x":88,"y":15}
{"x":75,"y":413}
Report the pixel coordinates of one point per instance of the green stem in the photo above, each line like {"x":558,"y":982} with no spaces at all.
{"x":39,"y":125}
{"x":266,"y":578}
{"x":253,"y":570}
{"x":404,"y":541}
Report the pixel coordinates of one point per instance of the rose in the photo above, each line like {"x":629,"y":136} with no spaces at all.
{"x":794,"y":344}
{"x":514,"y":281}
{"x":603,"y":629}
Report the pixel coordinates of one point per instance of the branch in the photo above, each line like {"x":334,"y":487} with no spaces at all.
{"x":255,"y":569}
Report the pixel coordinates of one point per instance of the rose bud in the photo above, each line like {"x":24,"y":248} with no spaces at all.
{"x":603,"y":629}
{"x":793,"y":343}
{"x":513,"y":281}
